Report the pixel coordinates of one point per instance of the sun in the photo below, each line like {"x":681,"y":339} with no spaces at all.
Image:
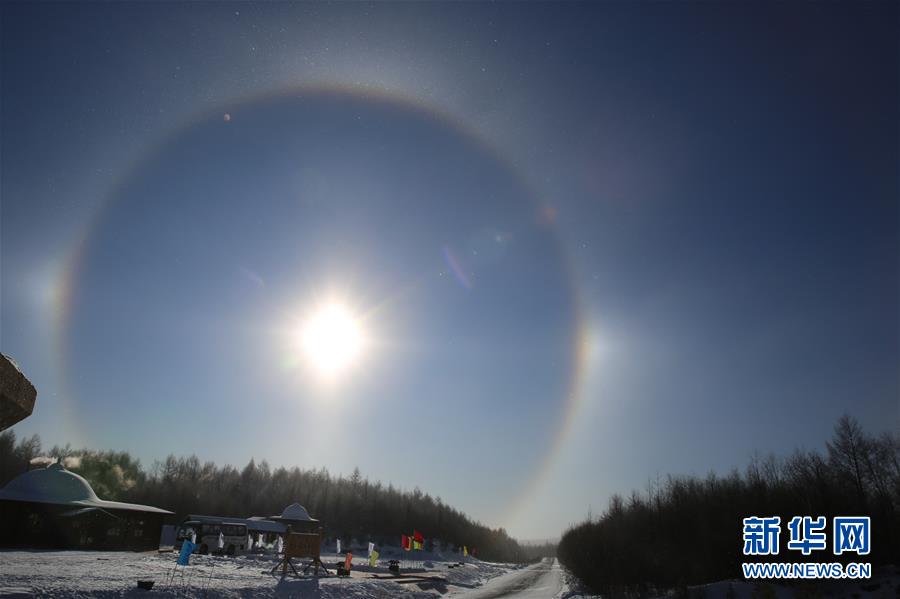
{"x":331,"y":340}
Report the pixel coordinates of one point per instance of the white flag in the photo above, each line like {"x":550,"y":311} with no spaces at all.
{"x":279,"y":545}
{"x":371,"y":548}
{"x":338,"y":546}
{"x":259,"y":540}
{"x":221,"y":540}
{"x":249,"y":542}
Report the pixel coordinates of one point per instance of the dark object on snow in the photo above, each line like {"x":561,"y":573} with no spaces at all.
{"x":394,"y":566}
{"x":17,"y":394}
{"x":422,"y":579}
{"x":416,"y":579}
{"x":145,"y":584}
{"x":341,"y":571}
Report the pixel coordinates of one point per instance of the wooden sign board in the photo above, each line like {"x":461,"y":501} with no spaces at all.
{"x":301,"y":545}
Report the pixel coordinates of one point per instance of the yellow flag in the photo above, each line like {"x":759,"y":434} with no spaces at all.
{"x":465,"y":551}
{"x":372,"y":558}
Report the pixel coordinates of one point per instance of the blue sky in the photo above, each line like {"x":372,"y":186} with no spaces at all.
{"x":588,"y":244}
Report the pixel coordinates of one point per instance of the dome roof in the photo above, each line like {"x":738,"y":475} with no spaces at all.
{"x":295,"y":511}
{"x":54,"y":484}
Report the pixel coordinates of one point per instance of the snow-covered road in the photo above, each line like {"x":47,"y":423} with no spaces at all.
{"x":543,"y":580}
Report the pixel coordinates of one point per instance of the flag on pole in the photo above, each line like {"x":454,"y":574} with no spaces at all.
{"x":348,"y":562}
{"x":338,"y":546}
{"x":279,"y":545}
{"x":465,"y":551}
{"x":405,"y":542}
{"x":371,"y":548}
{"x":187,"y":548}
{"x":221,"y":542}
{"x":418,"y":540}
{"x":373,"y":557}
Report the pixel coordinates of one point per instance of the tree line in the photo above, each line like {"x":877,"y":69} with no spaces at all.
{"x":687,"y":530}
{"x":350,"y":507}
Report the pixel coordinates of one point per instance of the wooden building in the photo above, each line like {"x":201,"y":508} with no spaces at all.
{"x":52,"y":508}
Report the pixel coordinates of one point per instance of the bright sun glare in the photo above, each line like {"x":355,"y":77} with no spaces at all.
{"x":331,"y":340}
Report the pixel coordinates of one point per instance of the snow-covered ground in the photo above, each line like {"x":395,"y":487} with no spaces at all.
{"x":116,"y":574}
{"x":539,"y":581}
{"x":78,"y":574}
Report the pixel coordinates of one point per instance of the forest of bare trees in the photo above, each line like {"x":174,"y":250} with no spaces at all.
{"x":688,"y":530}
{"x":350,"y":507}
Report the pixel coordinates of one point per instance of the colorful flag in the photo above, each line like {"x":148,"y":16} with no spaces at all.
{"x":418,"y":536}
{"x":417,"y":545}
{"x":348,"y":562}
{"x":405,"y":542}
{"x":186,"y":549}
{"x":465,"y":551}
{"x":373,"y":557}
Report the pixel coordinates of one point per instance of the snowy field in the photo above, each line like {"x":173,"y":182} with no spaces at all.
{"x":116,"y":574}
{"x":56,"y":574}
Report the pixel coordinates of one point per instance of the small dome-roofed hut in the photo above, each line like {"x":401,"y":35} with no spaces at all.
{"x":298,"y":518}
{"x":54,"y":508}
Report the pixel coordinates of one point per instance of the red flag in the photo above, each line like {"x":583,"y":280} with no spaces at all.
{"x":417,"y":536}
{"x":404,"y":541}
